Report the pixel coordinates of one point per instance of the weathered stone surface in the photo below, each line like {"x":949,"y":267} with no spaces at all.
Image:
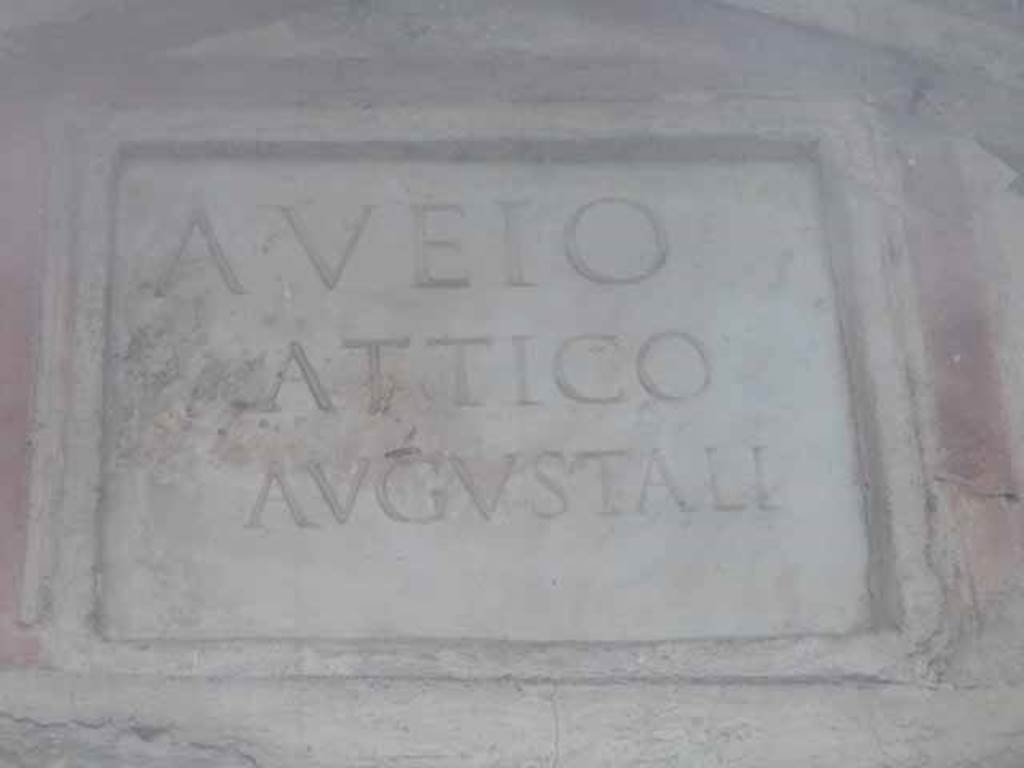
{"x":26,"y":743}
{"x":22,"y":237}
{"x":529,"y":393}
{"x":835,"y":192}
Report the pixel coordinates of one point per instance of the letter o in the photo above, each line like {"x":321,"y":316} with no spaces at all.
{"x":647,"y":381}
{"x":570,"y":390}
{"x":572,"y":249}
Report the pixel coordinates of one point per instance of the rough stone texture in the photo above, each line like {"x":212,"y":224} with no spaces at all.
{"x":22,"y":224}
{"x":933,"y":90}
{"x":27,"y":742}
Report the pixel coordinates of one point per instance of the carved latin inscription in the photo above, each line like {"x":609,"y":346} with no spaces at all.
{"x":476,"y":399}
{"x":429,"y":246}
{"x":617,"y":473}
{"x":466,"y":354}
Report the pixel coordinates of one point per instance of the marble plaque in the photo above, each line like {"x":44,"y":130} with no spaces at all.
{"x":488,"y":391}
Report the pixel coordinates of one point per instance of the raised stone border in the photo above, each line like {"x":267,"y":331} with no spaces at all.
{"x":861,"y":195}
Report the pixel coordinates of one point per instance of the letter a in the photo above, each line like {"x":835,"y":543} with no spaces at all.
{"x":276,"y":476}
{"x":298,"y":355}
{"x":200,"y":222}
{"x":656,"y":462}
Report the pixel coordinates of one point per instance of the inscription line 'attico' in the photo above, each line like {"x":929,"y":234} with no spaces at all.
{"x":466,"y":396}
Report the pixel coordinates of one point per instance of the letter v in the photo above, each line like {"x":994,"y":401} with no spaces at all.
{"x":201,"y":222}
{"x":340,"y":509}
{"x":486,"y":508}
{"x":328,"y":275}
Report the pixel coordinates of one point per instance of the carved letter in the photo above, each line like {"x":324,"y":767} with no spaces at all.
{"x":438,"y":496}
{"x":460,"y":374}
{"x":340,"y":509}
{"x":604,"y":470}
{"x":656,"y":391}
{"x":577,"y":261}
{"x":566,"y":387}
{"x":199,"y":221}
{"x":373,"y":360}
{"x":424,"y":276}
{"x":485,"y":507}
{"x":657,"y":462}
{"x":764,"y":494}
{"x":275,"y":475}
{"x":716,"y":490}
{"x":542,"y":477}
{"x":514,"y":271}
{"x":298,"y":355}
{"x":522,"y":378}
{"x":328,"y":275}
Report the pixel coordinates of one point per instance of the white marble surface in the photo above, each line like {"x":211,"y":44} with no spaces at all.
{"x":609,"y":402}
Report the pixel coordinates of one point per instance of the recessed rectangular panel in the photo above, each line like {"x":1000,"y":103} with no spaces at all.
{"x":497,"y":393}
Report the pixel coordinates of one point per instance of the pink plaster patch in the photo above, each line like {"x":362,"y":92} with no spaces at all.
{"x":970,"y":401}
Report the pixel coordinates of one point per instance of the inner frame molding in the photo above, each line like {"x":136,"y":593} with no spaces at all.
{"x":839,"y":149}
